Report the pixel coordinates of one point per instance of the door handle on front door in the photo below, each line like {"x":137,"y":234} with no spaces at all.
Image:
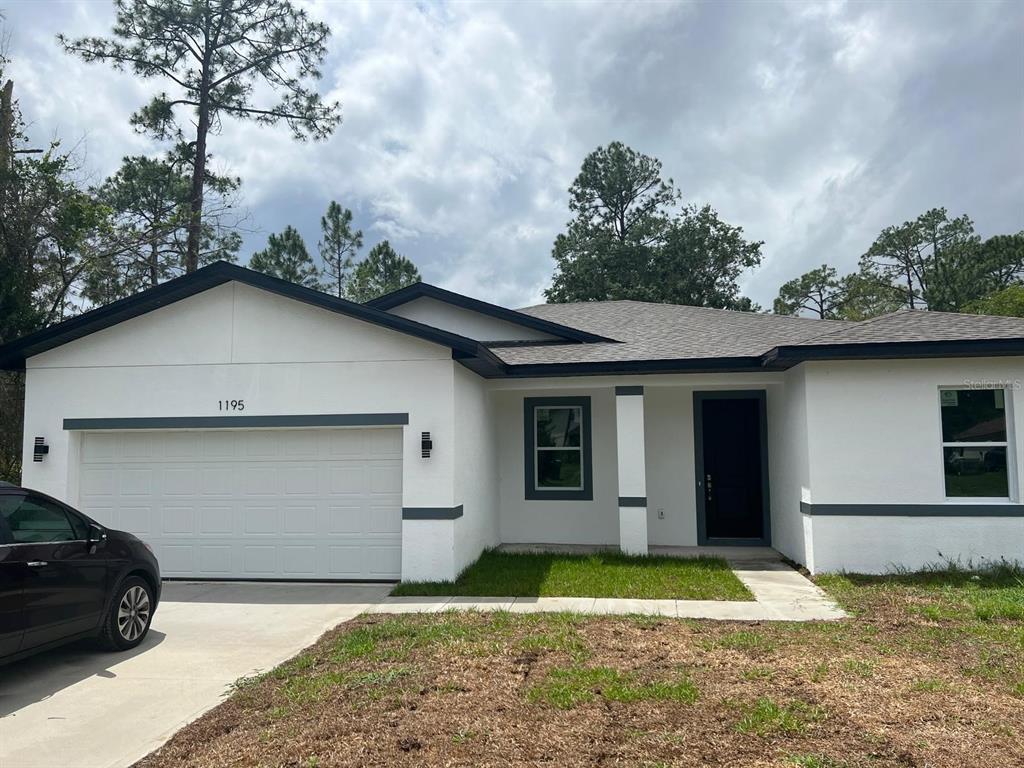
{"x":37,"y":564}
{"x":707,"y":491}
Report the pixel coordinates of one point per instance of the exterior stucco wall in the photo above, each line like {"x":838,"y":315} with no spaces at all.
{"x":669,"y":447}
{"x":466,"y":322}
{"x":875,"y":438}
{"x":237,"y":342}
{"x":885,"y":544}
{"x":788,"y":466}
{"x":557,"y":522}
{"x":476,"y":468}
{"x":668,"y":450}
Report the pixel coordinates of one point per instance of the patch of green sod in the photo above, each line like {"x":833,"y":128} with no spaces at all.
{"x":605,"y":574}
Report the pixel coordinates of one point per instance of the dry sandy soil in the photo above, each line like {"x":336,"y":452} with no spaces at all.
{"x":915,"y":678}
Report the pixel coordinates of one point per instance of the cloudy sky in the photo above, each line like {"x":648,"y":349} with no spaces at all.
{"x":811,"y":125}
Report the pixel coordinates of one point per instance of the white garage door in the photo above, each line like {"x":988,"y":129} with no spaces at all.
{"x":253,"y":504}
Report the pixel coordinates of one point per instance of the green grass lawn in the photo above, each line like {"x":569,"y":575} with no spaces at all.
{"x":948,"y":593}
{"x":605,"y":574}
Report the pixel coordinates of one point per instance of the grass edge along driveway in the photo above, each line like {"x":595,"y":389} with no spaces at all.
{"x":601,"y":574}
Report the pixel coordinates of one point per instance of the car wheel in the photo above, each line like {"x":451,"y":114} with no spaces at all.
{"x":130,"y":613}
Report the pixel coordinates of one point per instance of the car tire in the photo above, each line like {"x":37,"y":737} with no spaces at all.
{"x":129,"y":616}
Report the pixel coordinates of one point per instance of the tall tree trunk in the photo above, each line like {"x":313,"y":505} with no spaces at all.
{"x":195,"y":218}
{"x":6,"y":126}
{"x":154,"y":264}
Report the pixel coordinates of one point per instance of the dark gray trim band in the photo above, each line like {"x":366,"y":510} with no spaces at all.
{"x":629,"y":390}
{"x":913,"y":510}
{"x":432,"y":513}
{"x":632,"y":501}
{"x":215,"y":422}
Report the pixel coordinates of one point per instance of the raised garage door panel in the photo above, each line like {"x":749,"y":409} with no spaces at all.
{"x":253,"y":504}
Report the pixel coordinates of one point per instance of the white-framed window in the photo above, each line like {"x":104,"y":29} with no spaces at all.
{"x":975,"y":443}
{"x":558,"y":452}
{"x":558,"y":448}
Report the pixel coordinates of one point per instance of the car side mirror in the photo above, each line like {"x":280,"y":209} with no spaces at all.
{"x":96,"y":536}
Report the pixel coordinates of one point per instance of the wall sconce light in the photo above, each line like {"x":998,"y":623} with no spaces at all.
{"x":40,"y":449}
{"x":426,"y":444}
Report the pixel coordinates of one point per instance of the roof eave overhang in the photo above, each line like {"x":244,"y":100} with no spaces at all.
{"x":788,"y":356}
{"x":627,"y":367}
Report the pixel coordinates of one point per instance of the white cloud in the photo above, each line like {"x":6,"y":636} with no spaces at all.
{"x":811,"y":125}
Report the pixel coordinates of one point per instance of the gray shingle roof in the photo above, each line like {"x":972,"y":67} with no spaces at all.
{"x":663,"y":332}
{"x":672,"y":332}
{"x":911,"y":325}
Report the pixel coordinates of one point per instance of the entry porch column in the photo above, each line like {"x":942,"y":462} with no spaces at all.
{"x":629,"y":423}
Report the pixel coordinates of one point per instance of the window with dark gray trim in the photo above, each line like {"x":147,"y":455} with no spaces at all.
{"x":975,"y":443}
{"x":558,"y":452}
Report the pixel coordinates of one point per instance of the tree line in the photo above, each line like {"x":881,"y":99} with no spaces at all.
{"x":630,"y":238}
{"x":381,"y":271}
{"x":934,"y":262}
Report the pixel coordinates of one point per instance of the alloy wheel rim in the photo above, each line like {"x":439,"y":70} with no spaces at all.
{"x":133,"y":613}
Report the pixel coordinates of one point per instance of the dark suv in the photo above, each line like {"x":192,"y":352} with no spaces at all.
{"x":64,"y":577}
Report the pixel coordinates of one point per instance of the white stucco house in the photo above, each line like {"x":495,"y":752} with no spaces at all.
{"x":250,"y":428}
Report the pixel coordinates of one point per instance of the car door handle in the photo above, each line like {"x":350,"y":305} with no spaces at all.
{"x":37,"y":563}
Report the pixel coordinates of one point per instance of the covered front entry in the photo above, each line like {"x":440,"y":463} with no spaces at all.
{"x":731,"y":453}
{"x":253,"y":503}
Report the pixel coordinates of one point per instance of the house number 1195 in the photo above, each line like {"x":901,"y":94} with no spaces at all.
{"x":231,"y":405}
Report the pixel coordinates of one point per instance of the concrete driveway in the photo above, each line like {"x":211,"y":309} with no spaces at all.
{"x":78,"y":707}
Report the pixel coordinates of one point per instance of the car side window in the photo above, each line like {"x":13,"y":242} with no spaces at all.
{"x":33,"y":520}
{"x":5,"y":537}
{"x":78,"y":525}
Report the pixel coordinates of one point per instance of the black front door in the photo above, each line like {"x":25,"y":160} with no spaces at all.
{"x":731,"y":487}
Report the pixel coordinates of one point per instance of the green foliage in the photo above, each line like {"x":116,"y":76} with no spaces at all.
{"x":866,"y":295}
{"x":940,"y":263}
{"x":149,"y":202}
{"x":930,"y":685}
{"x":818,"y":291}
{"x":932,"y":262}
{"x":767,"y":718}
{"x":382,"y":271}
{"x":1008,"y":302}
{"x":214,"y":56}
{"x":12,"y":406}
{"x":815,"y":761}
{"x":749,"y":642}
{"x":949,"y":591}
{"x":822,"y":293}
{"x":49,"y":231}
{"x":627,"y":241}
{"x":568,"y":687}
{"x":286,"y":257}
{"x":338,"y":247}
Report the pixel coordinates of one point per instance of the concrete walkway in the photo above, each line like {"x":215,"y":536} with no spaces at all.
{"x":780,"y":594}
